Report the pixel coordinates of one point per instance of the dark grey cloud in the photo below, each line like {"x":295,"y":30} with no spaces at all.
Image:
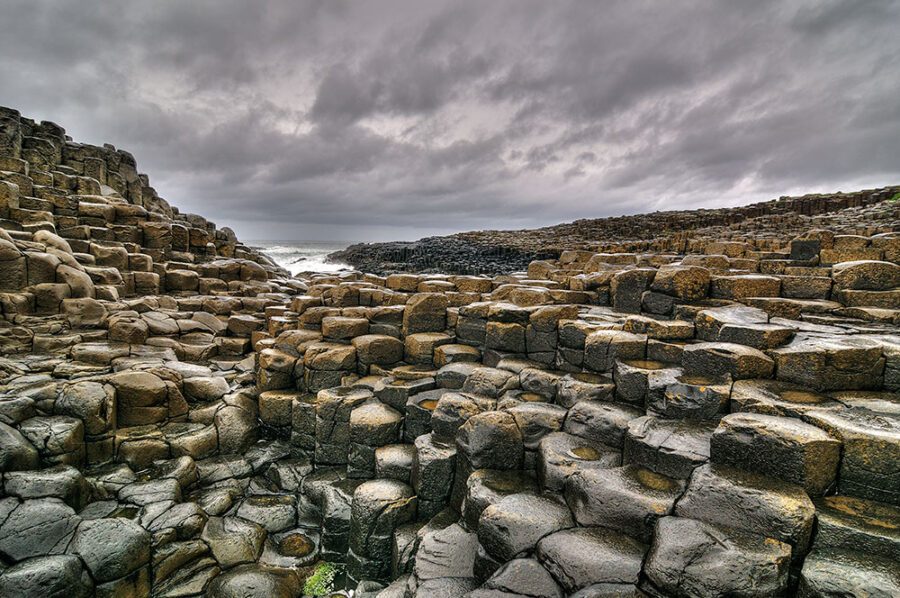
{"x":362,"y":120}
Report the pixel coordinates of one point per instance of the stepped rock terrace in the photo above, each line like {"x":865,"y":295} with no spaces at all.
{"x":704,"y":414}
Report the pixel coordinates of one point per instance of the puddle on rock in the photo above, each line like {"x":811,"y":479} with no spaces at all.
{"x":585,"y":453}
{"x":647,"y":364}
{"x":801,"y":396}
{"x":655,"y":481}
{"x":296,"y":545}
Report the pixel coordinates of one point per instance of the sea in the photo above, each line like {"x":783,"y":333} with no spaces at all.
{"x":303,"y":256}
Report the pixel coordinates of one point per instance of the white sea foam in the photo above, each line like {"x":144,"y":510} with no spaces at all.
{"x":302,"y":256}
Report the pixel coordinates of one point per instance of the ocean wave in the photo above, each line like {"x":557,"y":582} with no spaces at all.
{"x":302,"y":256}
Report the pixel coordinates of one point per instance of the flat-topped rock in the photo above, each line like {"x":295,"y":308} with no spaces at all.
{"x":781,"y":447}
{"x":584,"y":556}
{"x":830,"y":572}
{"x":669,"y":447}
{"x":751,"y":502}
{"x":518,"y":522}
{"x":866,"y":275}
{"x":628,"y":499}
{"x":719,"y":359}
{"x":832,"y":363}
{"x":692,"y":558}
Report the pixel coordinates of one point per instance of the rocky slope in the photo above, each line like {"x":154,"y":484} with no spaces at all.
{"x":696,"y":416}
{"x":501,"y":252}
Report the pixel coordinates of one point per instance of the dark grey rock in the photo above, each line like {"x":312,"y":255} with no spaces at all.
{"x":275,"y":513}
{"x":433,"y":468}
{"x":60,"y":576}
{"x":255,"y":580}
{"x":782,"y":447}
{"x":16,"y":452}
{"x":60,"y":481}
{"x":111,"y":548}
{"x":829,"y":573}
{"x":669,"y":447}
{"x":233,"y":541}
{"x":446,"y":553}
{"x":560,"y":455}
{"x":600,"y":421}
{"x":750,"y":502}
{"x":516,"y":524}
{"x":491,"y":440}
{"x":583,"y":556}
{"x":525,"y":577}
{"x":628,"y":499}
{"x":846,"y":523}
{"x":692,"y":559}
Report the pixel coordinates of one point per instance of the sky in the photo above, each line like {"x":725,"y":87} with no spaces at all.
{"x":389,"y":119}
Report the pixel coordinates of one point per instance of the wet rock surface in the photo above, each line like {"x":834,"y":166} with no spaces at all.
{"x":613,"y":414}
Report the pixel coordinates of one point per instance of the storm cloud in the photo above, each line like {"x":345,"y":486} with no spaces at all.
{"x":360,"y":120}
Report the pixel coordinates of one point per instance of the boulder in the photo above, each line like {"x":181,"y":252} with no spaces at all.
{"x":830,"y":573}
{"x":425,"y":312}
{"x":689,"y":558}
{"x":719,"y":359}
{"x":60,"y":576}
{"x":16,"y":452}
{"x":584,"y":556}
{"x":518,"y":522}
{"x":687,"y":283}
{"x":255,"y":580}
{"x":233,"y":540}
{"x":446,"y":553}
{"x":628,"y":499}
{"x":35,"y":527}
{"x":869,"y":275}
{"x":60,"y":481}
{"x":111,"y":548}
{"x":94,"y":403}
{"x":781,"y":447}
{"x":491,"y":440}
{"x":751,"y":502}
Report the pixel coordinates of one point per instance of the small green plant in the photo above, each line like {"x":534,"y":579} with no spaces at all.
{"x":321,"y":582}
{"x":896,"y":197}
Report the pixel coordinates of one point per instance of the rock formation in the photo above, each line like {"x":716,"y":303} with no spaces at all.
{"x":699,"y":415}
{"x":495,"y":252}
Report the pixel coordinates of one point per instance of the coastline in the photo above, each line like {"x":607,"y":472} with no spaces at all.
{"x":301,"y":256}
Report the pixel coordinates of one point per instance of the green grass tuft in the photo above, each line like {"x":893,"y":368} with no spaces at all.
{"x":321,"y":582}
{"x":896,"y":197}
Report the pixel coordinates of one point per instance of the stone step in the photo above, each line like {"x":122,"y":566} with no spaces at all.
{"x":561,"y":455}
{"x":845,"y":523}
{"x":750,"y":502}
{"x":627,"y":499}
{"x":600,"y":421}
{"x":718,"y":359}
{"x":378,"y":508}
{"x":636,"y":380}
{"x":830,"y":572}
{"x":519,"y":577}
{"x":782,"y":447}
{"x":688,"y":397}
{"x":518,"y":522}
{"x":831,"y":364}
{"x":672,"y":448}
{"x":372,"y":425}
{"x":870,"y":434}
{"x":585,"y":556}
{"x":432,"y":475}
{"x":693,"y":558}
